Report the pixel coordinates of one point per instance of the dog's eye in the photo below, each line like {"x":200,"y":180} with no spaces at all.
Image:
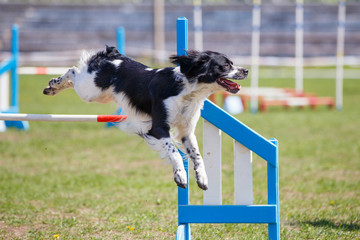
{"x":227,"y":65}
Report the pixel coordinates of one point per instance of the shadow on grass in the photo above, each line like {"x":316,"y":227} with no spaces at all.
{"x":331,"y":224}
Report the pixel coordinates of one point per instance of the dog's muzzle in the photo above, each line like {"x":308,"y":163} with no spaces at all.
{"x":230,"y":86}
{"x":241,"y":73}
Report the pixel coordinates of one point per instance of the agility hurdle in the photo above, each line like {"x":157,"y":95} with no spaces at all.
{"x":11,"y":91}
{"x":246,"y":141}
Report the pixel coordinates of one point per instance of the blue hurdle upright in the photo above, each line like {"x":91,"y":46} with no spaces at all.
{"x":11,"y":65}
{"x":246,"y":141}
{"x":120,"y":40}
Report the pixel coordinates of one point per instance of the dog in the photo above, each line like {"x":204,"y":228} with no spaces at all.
{"x":155,"y":100}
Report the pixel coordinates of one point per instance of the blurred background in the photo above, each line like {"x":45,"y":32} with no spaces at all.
{"x":54,"y":32}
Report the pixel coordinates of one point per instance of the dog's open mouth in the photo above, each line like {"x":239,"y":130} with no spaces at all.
{"x":229,"y":85}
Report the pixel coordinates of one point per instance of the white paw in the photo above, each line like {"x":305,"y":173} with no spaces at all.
{"x":201,"y":178}
{"x":180,"y":177}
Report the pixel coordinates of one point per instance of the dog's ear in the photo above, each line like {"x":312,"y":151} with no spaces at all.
{"x":198,"y":58}
{"x":203,"y":58}
{"x":190,"y":62}
{"x":111,"y":50}
{"x":185,"y":62}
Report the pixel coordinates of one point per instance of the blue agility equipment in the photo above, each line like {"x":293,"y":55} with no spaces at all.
{"x":120,"y":39}
{"x":11,"y":65}
{"x":252,"y":141}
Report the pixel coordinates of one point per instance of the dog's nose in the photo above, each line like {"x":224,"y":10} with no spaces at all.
{"x":245,"y":71}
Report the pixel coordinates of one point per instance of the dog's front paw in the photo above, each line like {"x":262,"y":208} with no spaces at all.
{"x":180,"y":178}
{"x":49,"y":91}
{"x":201,"y":179}
{"x":52,"y":89}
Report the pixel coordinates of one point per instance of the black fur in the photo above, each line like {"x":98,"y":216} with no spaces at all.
{"x":140,"y":85}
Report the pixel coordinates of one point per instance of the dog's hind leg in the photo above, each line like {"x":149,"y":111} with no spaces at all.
{"x":56,"y":85}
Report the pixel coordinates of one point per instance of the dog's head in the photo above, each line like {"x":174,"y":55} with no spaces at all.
{"x":210,"y":67}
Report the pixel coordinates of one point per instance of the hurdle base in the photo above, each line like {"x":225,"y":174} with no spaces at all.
{"x":21,"y":125}
{"x":183,"y":232}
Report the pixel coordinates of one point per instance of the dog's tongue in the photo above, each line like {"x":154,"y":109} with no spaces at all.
{"x":231,"y":85}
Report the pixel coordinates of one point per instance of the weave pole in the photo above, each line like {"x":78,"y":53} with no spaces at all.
{"x":62,"y":117}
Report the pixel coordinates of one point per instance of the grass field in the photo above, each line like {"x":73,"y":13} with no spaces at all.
{"x":83,"y":181}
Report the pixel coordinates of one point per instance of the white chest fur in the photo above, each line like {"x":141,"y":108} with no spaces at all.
{"x":182,"y":111}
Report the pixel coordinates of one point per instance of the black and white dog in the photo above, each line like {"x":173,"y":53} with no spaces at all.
{"x":155,"y":100}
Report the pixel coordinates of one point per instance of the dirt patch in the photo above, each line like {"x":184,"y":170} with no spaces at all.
{"x":13,"y":232}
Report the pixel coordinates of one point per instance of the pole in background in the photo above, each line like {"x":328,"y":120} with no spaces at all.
{"x":159,"y":32}
{"x":14,"y":74}
{"x":120,"y":36}
{"x":340,"y":55}
{"x":198,"y":38}
{"x":299,"y":46}
{"x":255,"y":49}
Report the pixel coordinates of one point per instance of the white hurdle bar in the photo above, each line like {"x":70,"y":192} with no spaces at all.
{"x":62,"y":117}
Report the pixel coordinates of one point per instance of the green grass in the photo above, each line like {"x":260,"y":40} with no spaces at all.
{"x":83,"y":181}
